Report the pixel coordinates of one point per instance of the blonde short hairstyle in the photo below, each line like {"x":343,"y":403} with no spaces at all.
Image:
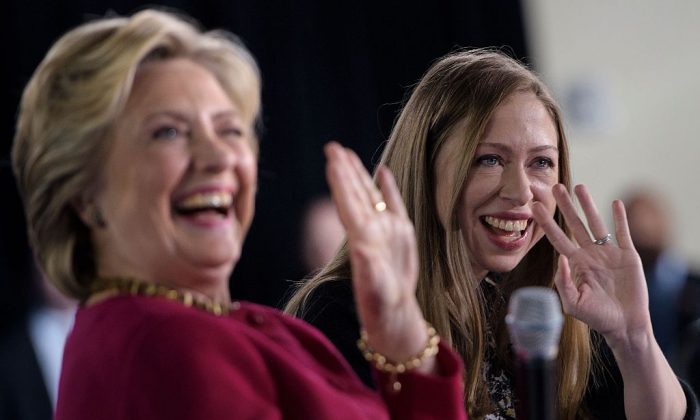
{"x":69,"y":106}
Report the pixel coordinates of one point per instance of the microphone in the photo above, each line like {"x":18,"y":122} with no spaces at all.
{"x":534,"y":323}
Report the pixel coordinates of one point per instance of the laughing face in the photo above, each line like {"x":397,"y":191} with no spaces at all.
{"x":177,"y":189}
{"x":516,"y":163}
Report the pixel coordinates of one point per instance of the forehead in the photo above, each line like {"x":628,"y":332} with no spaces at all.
{"x":173,"y":82}
{"x":521,"y":120}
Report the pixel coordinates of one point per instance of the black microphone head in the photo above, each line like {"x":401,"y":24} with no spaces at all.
{"x":534,"y":322}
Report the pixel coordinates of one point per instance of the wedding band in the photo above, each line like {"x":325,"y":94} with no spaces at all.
{"x":380,"y":206}
{"x":602,"y":241}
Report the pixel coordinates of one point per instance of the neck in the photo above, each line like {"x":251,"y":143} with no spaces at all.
{"x":481,"y":274}
{"x":103,"y":287}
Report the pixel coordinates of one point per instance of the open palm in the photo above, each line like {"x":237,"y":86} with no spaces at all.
{"x":382,"y":250}
{"x":602,"y":285}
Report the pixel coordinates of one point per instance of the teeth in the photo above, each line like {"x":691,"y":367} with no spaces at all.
{"x":507,"y":225}
{"x":204,"y":200}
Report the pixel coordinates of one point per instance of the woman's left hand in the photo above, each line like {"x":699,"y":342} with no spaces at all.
{"x":601,"y":284}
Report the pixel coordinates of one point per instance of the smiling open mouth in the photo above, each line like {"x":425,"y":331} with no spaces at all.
{"x":508,"y":229}
{"x":217,"y":202}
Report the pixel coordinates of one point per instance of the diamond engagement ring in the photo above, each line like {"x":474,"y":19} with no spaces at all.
{"x":605,"y":239}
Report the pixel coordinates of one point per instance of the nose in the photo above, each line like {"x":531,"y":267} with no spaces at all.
{"x":516,"y":186}
{"x":211,"y":153}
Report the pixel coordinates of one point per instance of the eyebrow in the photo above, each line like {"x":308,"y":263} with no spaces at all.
{"x":227,"y":113}
{"x":507,"y":148}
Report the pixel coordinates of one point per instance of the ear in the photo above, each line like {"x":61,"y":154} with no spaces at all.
{"x":89,"y":212}
{"x":81,"y":206}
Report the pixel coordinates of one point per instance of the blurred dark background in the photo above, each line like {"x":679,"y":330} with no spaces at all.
{"x":331,"y":70}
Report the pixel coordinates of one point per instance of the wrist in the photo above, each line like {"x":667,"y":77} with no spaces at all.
{"x":397,"y":335}
{"x":631,"y":344}
{"x":423,"y":360}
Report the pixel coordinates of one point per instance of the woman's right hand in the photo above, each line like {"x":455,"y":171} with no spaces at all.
{"x":383,"y":254}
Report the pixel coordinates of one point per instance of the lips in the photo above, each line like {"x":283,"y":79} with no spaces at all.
{"x":217,"y":202}
{"x":507,"y":233}
{"x":508,"y":228}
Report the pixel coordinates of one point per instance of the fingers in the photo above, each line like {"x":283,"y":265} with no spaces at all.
{"x":568,"y":210}
{"x":622,"y":230}
{"x":596,"y":225}
{"x":579,"y":231}
{"x":354,"y":192}
{"x":372,"y":194}
{"x":343,"y":185}
{"x":556,"y":236}
{"x":391,"y":193}
{"x":595,"y":222}
{"x":568,"y":292}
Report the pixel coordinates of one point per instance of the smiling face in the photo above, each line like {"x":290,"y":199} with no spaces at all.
{"x":177,"y":189}
{"x":515,"y":164}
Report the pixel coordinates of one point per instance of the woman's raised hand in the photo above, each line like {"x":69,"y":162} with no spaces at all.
{"x":600,"y":282}
{"x":382,"y":249}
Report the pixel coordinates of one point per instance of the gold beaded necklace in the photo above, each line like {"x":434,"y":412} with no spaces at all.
{"x":127,"y":286}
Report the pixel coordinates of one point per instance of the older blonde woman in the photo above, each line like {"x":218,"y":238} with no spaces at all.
{"x":135,"y":154}
{"x":481,"y":160}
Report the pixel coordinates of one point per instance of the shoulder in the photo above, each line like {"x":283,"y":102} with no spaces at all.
{"x":329,"y":297}
{"x":154,"y":358}
{"x":159,"y":331}
{"x":186,"y":346}
{"x":331,"y":309}
{"x":333,"y":287}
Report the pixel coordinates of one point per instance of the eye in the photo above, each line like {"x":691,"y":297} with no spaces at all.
{"x":488,"y":160}
{"x":166,"y":133}
{"x":543,"y":162}
{"x":233,"y":132}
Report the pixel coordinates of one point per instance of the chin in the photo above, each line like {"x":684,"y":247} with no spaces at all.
{"x":215,"y":250}
{"x":503,"y":265}
{"x":212,"y":262}
{"x":212,"y":272}
{"x":227,"y":261}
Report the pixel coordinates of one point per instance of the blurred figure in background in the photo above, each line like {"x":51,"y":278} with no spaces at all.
{"x":673,"y":288}
{"x":31,"y":354}
{"x":322,"y":234}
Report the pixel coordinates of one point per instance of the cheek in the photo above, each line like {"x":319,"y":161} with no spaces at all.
{"x":475,"y":192}
{"x":156,"y":188}
{"x":245,"y":169}
{"x":479,"y":189}
{"x":150,"y":184}
{"x":542,"y":189}
{"x":469,"y":200}
{"x":248,"y":167}
{"x":443,"y":194}
{"x":441,"y":203}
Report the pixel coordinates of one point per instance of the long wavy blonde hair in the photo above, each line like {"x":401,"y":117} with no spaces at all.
{"x":467,"y":86}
